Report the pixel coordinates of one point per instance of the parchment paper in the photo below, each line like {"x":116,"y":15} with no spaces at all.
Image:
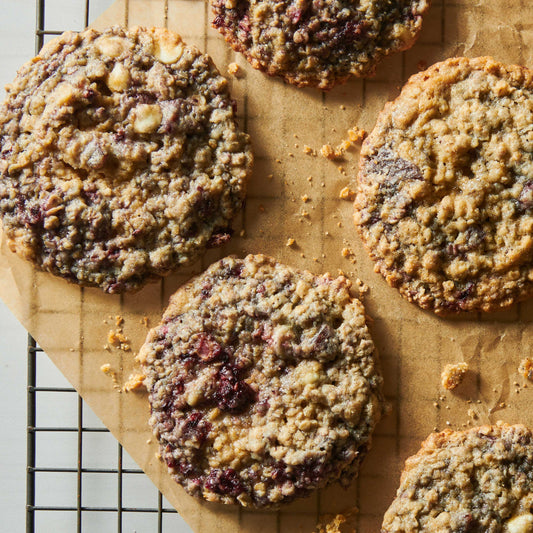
{"x":72,"y":324}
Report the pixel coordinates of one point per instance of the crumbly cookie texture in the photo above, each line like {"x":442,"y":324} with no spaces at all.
{"x":320,"y":42}
{"x":445,"y":203}
{"x":262,"y":382}
{"x":453,"y":374}
{"x":480,"y":481}
{"x":120,"y":157}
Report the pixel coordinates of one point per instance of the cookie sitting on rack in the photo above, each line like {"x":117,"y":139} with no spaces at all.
{"x":262,"y":382}
{"x":320,"y":43}
{"x":120,"y":157}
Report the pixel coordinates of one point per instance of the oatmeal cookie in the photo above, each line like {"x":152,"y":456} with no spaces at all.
{"x":318,"y":43}
{"x":480,"y":481}
{"x":120,"y":157}
{"x":445,"y":202}
{"x":262,"y":382}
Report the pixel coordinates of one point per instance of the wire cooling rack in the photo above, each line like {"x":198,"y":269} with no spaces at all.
{"x":46,"y":479}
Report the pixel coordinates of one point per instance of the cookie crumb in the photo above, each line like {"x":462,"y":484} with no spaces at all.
{"x":453,"y":375}
{"x":356,"y":135}
{"x":308,"y":150}
{"x":145,"y":321}
{"x":134,"y":382}
{"x":349,"y":254}
{"x":118,"y":340}
{"x":106,"y":369}
{"x":327,"y":151}
{"x":290,"y":242}
{"x":362,"y":287}
{"x":119,"y":321}
{"x":332,"y":524}
{"x":305,"y":198}
{"x":526,"y":368}
{"x":234,"y":69}
{"x":471,"y":413}
{"x":347,"y":194}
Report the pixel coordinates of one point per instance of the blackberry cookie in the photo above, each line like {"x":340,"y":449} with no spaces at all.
{"x":120,"y":157}
{"x":480,"y":481}
{"x":445,"y":200}
{"x":318,"y":43}
{"x":262,"y":382}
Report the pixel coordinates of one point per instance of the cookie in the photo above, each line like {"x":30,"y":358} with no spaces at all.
{"x":262,"y":382}
{"x":480,"y":481}
{"x":120,"y":157}
{"x":319,"y":43}
{"x":445,"y":201}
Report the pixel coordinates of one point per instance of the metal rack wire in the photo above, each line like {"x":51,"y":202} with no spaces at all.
{"x":32,"y":504}
{"x":81,"y":509}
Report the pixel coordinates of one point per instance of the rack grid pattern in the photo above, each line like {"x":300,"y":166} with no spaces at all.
{"x":34,"y":352}
{"x":32,"y":504}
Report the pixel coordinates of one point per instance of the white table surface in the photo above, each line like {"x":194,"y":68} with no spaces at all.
{"x":17,"y":45}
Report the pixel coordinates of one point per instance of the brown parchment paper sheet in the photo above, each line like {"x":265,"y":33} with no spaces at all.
{"x":70,"y":322}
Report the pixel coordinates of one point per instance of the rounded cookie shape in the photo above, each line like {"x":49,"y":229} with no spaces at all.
{"x":120,"y":157}
{"x":318,"y":43}
{"x":445,"y":200}
{"x":479,"y":480}
{"x":262,"y":382}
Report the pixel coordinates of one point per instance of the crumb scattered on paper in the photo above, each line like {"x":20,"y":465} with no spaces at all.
{"x":145,"y":321}
{"x":118,"y":340}
{"x":106,"y":369}
{"x":472,"y":414}
{"x":347,"y":194}
{"x":328,"y":152}
{"x":305,"y":198}
{"x":362,"y":287}
{"x":119,"y":321}
{"x":135,"y":381}
{"x":332,"y":524}
{"x":234,"y":69}
{"x":526,"y":368}
{"x":290,"y":242}
{"x":453,"y":375}
{"x":349,"y":254}
{"x":356,"y":135}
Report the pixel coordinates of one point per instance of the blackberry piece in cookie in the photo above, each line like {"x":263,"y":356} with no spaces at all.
{"x":445,"y":201}
{"x":479,"y":480}
{"x":318,"y":43}
{"x":120,"y":157}
{"x":262,"y":383}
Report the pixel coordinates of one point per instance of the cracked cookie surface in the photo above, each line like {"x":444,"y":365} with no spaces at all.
{"x":479,"y":480}
{"x":120,"y":157}
{"x":318,"y":42}
{"x":445,"y":201}
{"x":262,"y":382}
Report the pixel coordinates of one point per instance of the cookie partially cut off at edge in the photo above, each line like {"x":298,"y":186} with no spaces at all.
{"x":476,"y":481}
{"x":120,"y":157}
{"x":318,"y":43}
{"x":445,"y":200}
{"x":262,"y":382}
